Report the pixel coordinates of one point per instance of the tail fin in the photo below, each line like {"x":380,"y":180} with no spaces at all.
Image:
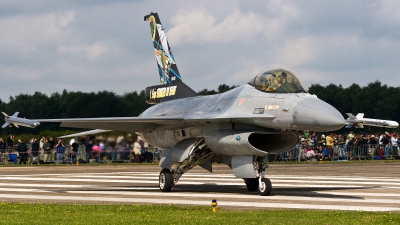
{"x":171,"y":86}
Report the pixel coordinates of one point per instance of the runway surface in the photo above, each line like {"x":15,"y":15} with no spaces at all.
{"x":363,"y":187}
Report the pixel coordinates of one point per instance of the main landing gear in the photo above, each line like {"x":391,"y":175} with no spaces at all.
{"x":165,"y":180}
{"x":198,"y":154}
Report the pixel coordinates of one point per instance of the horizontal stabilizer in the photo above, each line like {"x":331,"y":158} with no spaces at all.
{"x":166,"y":92}
{"x":5,"y":125}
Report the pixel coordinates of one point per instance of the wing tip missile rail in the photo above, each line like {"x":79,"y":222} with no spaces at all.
{"x":359,"y":122}
{"x":16,"y":121}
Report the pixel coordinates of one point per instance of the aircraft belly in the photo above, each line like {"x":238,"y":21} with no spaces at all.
{"x":164,"y":137}
{"x":160,"y":138}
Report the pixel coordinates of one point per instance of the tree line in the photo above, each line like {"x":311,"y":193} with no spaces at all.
{"x":78,"y":105}
{"x":375,"y":100}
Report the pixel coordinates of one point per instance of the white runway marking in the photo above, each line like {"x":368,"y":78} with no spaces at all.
{"x":317,"y":192}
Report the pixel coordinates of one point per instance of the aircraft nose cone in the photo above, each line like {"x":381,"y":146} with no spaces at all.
{"x":315,"y":114}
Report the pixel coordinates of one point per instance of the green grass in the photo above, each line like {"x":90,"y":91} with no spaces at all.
{"x":23,"y":213}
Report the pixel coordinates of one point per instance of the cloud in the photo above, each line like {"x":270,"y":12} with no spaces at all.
{"x":27,"y":34}
{"x":198,"y":26}
{"x":386,"y":11}
{"x":105,"y":45}
{"x":91,"y":51}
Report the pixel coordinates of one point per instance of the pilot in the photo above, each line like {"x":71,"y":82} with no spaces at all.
{"x":275,"y":81}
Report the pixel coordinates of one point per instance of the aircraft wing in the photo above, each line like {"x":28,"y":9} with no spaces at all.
{"x":134,"y":124}
{"x":147,"y":124}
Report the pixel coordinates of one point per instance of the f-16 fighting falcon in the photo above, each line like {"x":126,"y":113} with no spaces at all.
{"x":239,"y":127}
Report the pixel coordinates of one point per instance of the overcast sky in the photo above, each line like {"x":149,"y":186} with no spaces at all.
{"x":95,"y":45}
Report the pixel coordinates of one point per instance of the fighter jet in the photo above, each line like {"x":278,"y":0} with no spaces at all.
{"x":240,"y":127}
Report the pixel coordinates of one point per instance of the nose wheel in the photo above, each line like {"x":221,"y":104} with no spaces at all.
{"x":165,"y":180}
{"x":262,"y":185}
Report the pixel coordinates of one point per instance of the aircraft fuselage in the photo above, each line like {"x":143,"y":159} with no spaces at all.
{"x":248,"y":109}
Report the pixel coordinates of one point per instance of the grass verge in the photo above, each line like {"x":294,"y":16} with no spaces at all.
{"x":23,"y":213}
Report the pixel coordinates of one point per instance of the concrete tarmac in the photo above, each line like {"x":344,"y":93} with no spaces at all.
{"x":368,"y":186}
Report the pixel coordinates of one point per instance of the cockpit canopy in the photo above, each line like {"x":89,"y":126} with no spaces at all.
{"x":277,"y":80}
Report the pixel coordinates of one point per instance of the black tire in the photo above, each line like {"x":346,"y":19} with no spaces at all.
{"x":251,"y":184}
{"x":165,"y":180}
{"x":265,"y":187}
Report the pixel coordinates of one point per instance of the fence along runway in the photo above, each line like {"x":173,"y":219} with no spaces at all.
{"x":289,"y":192}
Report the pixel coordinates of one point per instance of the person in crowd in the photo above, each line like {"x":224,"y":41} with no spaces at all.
{"x":10,"y":142}
{"x":322,"y":141}
{"x":350,"y":148}
{"x":121,"y":141}
{"x":330,"y":141}
{"x":384,"y":139}
{"x":385,"y":144}
{"x":35,"y":151}
{"x":2,"y":150}
{"x":351,"y":135}
{"x":157,"y":155}
{"x":113,"y":145}
{"x":60,"y":151}
{"x":143,"y":151}
{"x":96,"y":152}
{"x":325,"y":152}
{"x":394,"y":140}
{"x":22,"y":149}
{"x":41,"y":142}
{"x":102,"y":146}
{"x":362,"y":145}
{"x":319,"y":153}
{"x":127,"y":151}
{"x":314,"y":139}
{"x":372,"y":145}
{"x":52,"y":143}
{"x":74,"y":150}
{"x":2,"y":145}
{"x":88,"y":148}
{"x":310,"y":154}
{"x":137,"y":150}
{"x":302,"y":149}
{"x":48,"y":154}
{"x":340,"y":140}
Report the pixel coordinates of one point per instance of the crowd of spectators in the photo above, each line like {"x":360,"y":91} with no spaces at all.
{"x":86,"y":149}
{"x":319,"y":147}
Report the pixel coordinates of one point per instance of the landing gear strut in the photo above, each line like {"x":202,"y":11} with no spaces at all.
{"x":198,"y":154}
{"x":262,"y":184}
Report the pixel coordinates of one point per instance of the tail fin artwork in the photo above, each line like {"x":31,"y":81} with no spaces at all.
{"x":171,"y":86}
